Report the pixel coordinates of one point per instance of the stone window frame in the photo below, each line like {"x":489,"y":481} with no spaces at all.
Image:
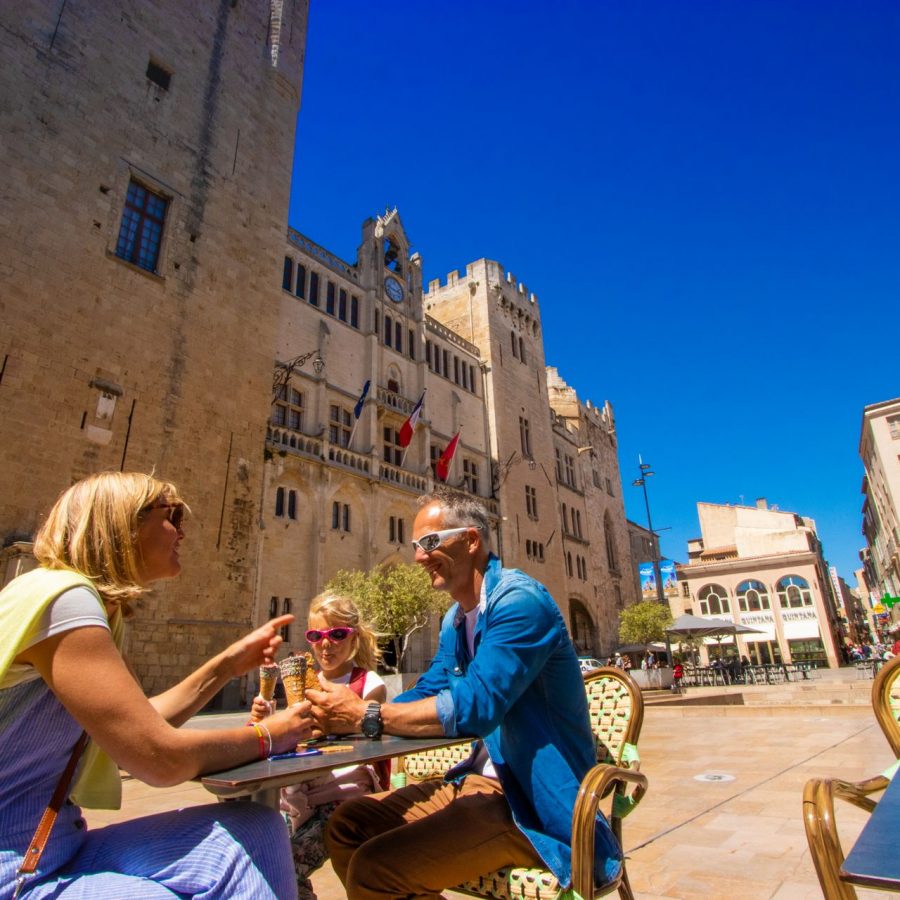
{"x":120,"y":204}
{"x":793,"y":587}
{"x":714,"y":595}
{"x":340,"y":516}
{"x":340,"y":425}
{"x":288,"y":408}
{"x":391,"y":451}
{"x":745,"y":593}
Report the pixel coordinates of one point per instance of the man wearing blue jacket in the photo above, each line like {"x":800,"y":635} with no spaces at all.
{"x":505,"y":672}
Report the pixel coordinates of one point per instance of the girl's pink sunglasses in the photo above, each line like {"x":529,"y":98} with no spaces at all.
{"x":338,"y":634}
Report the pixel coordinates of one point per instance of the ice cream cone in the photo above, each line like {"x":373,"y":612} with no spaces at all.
{"x":268,"y":678}
{"x":293,"y":676}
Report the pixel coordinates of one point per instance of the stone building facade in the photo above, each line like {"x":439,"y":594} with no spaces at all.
{"x":879,"y":449}
{"x":141,"y":239}
{"x":555,"y":470}
{"x":762,"y":568}
{"x":150,"y":283}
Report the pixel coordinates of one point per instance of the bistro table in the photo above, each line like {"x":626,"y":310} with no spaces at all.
{"x":874,"y":861}
{"x":261,"y":780}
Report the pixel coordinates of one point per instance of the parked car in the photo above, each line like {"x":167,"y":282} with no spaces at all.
{"x":588,"y":664}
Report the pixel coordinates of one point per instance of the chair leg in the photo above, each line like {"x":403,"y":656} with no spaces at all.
{"x":824,"y":843}
{"x":624,"y":885}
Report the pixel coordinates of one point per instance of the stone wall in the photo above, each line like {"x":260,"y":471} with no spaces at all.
{"x":106,"y":365}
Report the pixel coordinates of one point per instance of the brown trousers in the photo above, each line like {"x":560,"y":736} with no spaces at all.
{"x":416,"y":841}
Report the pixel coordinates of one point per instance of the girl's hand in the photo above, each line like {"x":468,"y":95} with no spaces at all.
{"x":260,"y":709}
{"x":257,"y":648}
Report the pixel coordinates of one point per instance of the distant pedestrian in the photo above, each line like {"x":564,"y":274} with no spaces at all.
{"x":677,"y":675}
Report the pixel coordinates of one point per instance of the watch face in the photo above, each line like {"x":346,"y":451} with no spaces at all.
{"x":393,"y":289}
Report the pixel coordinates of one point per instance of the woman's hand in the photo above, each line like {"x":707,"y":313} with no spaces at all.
{"x":337,"y":709}
{"x":257,"y":648}
{"x":290,"y":726}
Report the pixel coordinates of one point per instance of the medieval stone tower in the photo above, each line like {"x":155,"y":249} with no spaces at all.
{"x":147,"y":152}
{"x":555,"y":470}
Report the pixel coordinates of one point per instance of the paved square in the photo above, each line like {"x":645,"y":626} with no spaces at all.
{"x":735,"y":839}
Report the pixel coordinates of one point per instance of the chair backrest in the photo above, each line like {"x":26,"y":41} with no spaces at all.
{"x":886,"y":701}
{"x":433,"y":763}
{"x":616,"y":709}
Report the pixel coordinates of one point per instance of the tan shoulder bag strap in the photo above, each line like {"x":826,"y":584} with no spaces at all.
{"x":48,"y":819}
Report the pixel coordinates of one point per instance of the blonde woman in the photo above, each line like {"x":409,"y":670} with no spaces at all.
{"x":346,"y":651}
{"x":106,"y":540}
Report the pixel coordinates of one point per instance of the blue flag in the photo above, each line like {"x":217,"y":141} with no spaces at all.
{"x":357,"y":410}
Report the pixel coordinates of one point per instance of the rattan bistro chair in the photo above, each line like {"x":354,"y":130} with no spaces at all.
{"x":819,"y":793}
{"x":617,"y":713}
{"x":886,"y":701}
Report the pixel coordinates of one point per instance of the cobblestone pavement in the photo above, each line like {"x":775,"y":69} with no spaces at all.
{"x":735,"y":837}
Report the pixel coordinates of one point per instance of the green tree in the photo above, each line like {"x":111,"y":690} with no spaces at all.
{"x":644,"y":622}
{"x":397,"y":600}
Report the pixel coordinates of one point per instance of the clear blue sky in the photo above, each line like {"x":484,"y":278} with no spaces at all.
{"x":704,"y":196}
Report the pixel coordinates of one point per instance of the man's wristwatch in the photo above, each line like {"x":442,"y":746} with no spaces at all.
{"x":372,"y":726}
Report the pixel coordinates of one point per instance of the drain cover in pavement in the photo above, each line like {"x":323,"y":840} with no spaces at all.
{"x":713,"y":776}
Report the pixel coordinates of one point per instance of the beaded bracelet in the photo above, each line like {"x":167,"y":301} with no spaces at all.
{"x":268,"y":739}
{"x":262,"y":741}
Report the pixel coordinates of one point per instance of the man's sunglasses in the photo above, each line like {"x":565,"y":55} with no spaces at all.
{"x":174,"y":512}
{"x":428,"y":543}
{"x":335,"y":635}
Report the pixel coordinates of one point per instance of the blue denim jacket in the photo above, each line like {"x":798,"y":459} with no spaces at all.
{"x":523,"y":693}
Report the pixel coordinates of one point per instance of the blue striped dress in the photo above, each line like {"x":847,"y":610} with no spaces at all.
{"x":235,"y":850}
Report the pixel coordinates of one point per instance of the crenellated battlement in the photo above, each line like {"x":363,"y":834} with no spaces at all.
{"x":564,"y":401}
{"x":498,"y":280}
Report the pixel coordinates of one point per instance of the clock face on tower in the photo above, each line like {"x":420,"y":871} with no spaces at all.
{"x":393,"y":289}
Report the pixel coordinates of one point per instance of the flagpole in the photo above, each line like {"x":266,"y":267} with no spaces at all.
{"x":352,"y":433}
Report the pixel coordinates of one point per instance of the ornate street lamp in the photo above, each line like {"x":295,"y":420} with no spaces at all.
{"x":284,"y":370}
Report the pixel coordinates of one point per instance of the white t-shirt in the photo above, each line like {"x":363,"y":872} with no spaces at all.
{"x":481,"y":762}
{"x":373,"y":680}
{"x":75,"y":608}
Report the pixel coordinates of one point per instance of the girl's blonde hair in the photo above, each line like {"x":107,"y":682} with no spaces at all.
{"x":338,"y":609}
{"x":92,"y":528}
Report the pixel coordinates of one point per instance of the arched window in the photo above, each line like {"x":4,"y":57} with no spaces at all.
{"x":752,"y":596}
{"x":793,"y":591}
{"x":713,"y":600}
{"x":515,"y":344}
{"x":568,"y":564}
{"x":279,"y":502}
{"x":582,"y":627}
{"x":611,"y":558}
{"x":292,"y":504}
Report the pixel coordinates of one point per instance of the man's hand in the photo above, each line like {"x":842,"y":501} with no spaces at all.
{"x":257,"y":648}
{"x":336,"y":709}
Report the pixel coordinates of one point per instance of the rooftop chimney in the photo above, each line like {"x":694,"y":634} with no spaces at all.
{"x":761,"y":503}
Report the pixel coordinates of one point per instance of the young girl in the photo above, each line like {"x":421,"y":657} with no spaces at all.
{"x":345,"y":649}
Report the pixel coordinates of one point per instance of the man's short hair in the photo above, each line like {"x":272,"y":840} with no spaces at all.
{"x":460,"y":510}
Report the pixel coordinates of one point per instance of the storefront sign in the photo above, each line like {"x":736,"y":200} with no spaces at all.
{"x":763,"y":621}
{"x":800,"y":623}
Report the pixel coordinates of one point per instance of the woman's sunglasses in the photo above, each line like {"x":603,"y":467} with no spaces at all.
{"x":174,"y":512}
{"x":336,"y":635}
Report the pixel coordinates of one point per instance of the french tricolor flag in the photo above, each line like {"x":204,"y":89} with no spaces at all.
{"x":409,"y":426}
{"x":442,"y":469}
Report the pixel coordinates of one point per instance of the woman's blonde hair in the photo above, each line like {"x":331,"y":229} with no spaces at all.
{"x":338,"y":609}
{"x":92,"y":528}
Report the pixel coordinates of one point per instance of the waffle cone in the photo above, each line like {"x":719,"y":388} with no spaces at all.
{"x":268,"y":678}
{"x":298,"y":674}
